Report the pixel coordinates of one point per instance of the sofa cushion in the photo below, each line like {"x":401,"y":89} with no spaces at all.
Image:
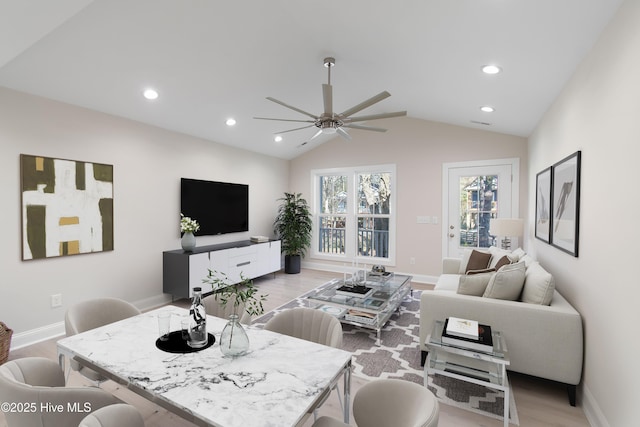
{"x":474,"y":284}
{"x":507,"y":283}
{"x":447,"y":282}
{"x":539,"y":285}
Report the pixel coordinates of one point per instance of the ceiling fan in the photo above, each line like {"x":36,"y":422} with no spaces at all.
{"x":330,"y":122}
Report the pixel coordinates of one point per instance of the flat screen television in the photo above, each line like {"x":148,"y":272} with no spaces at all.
{"x":219,"y":207}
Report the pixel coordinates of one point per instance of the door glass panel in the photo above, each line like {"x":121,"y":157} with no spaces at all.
{"x":478,"y":204}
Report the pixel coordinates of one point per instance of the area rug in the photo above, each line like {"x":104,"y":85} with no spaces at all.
{"x":398,"y":356}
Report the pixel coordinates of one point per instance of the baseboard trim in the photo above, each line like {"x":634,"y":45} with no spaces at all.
{"x":34,"y":336}
{"x":418,"y":278}
{"x":592,"y":410}
{"x":47,"y":332}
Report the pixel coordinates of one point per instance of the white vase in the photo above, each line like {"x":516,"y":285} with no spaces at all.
{"x":188,"y":241}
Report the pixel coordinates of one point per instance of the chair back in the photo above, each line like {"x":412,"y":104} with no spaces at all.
{"x":308,"y":324}
{"x":398,"y":403}
{"x":213,"y":307}
{"x":97,"y":312}
{"x":39,"y":382}
{"x":120,"y":415}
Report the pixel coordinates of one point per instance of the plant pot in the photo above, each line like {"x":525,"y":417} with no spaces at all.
{"x":292,"y":264}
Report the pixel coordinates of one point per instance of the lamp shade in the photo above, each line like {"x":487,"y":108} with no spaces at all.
{"x":506,"y":227}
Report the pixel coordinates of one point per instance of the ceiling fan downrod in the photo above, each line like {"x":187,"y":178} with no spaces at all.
{"x":329,"y":62}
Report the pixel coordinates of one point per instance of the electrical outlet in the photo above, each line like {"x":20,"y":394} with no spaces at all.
{"x":412,"y":261}
{"x":56,"y":300}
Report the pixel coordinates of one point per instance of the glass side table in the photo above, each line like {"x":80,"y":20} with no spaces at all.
{"x":487,"y":369}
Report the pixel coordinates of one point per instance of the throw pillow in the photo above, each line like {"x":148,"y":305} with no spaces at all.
{"x":505,"y":260}
{"x":474,"y":284}
{"x":507,"y":283}
{"x":478,"y":260}
{"x":518,"y":254}
{"x":497,"y":254}
{"x":539,"y":285}
{"x":464,"y":261}
{"x":484,"y":270}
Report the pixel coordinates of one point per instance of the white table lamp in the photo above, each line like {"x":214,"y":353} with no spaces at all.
{"x":506,"y":228}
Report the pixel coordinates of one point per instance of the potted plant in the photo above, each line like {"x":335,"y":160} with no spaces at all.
{"x":243,"y":295}
{"x":293,"y":226}
{"x":188,"y":226}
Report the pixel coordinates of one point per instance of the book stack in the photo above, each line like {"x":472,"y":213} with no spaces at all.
{"x":259,"y":239}
{"x":360,"y":317}
{"x":468,"y":334}
{"x":358,"y":291}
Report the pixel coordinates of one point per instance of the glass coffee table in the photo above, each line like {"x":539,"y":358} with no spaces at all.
{"x":367,"y":301}
{"x":487,"y":369}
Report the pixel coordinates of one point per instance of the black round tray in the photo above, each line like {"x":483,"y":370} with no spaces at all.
{"x":175,"y":343}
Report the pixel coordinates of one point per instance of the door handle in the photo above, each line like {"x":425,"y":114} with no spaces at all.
{"x":452,"y":235}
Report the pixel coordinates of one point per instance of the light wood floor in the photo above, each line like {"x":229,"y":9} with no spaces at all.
{"x":539,"y":403}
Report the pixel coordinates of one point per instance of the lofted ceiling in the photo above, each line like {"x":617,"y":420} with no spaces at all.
{"x":212,"y":60}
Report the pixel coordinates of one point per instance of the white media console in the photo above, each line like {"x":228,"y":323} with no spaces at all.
{"x":182,"y":271}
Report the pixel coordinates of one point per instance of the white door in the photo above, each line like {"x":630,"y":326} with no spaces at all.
{"x":475,"y":192}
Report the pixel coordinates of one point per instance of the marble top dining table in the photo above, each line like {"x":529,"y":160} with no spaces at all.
{"x":279,"y":382}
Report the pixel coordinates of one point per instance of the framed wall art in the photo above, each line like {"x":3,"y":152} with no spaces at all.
{"x":543,"y":205}
{"x":565,"y":223}
{"x":67,"y":207}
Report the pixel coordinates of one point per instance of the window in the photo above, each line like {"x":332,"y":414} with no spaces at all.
{"x":354,"y":212}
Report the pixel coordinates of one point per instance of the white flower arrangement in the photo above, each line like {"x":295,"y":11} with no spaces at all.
{"x":188,"y":225}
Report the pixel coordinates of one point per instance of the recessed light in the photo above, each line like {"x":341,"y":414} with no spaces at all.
{"x":231,"y":122}
{"x":491,"y":69}
{"x":487,"y":109}
{"x":277,"y":138}
{"x":150,"y":94}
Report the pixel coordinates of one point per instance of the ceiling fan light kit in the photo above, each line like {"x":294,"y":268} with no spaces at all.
{"x":330,"y":122}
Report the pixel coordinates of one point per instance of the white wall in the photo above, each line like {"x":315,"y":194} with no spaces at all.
{"x":148,"y":164}
{"x":418,"y":148}
{"x":599,"y":113}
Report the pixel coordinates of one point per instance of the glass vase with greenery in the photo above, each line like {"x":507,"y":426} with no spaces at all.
{"x":242,"y":296}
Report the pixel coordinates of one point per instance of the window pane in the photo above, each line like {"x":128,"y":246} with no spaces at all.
{"x":333,"y":194}
{"x":332,"y":234}
{"x":374,"y":193}
{"x":478,"y":204}
{"x":373,"y":237}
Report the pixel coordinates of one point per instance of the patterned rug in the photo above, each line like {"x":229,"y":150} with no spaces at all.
{"x":398,"y":356}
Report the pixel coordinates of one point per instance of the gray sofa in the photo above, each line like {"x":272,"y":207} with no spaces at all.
{"x":544,"y":341}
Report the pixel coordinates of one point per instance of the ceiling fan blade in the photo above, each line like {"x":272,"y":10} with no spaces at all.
{"x":343,"y":133}
{"x":285,"y":120}
{"x":375,"y":117}
{"x":292,"y":108}
{"x":291,"y":130}
{"x":364,"y":128}
{"x":369,"y":102}
{"x":316,"y":134}
{"x":327,"y":97}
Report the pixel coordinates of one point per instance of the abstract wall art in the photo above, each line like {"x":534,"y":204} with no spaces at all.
{"x":543,"y":205}
{"x":565,"y":224}
{"x":67,"y":207}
